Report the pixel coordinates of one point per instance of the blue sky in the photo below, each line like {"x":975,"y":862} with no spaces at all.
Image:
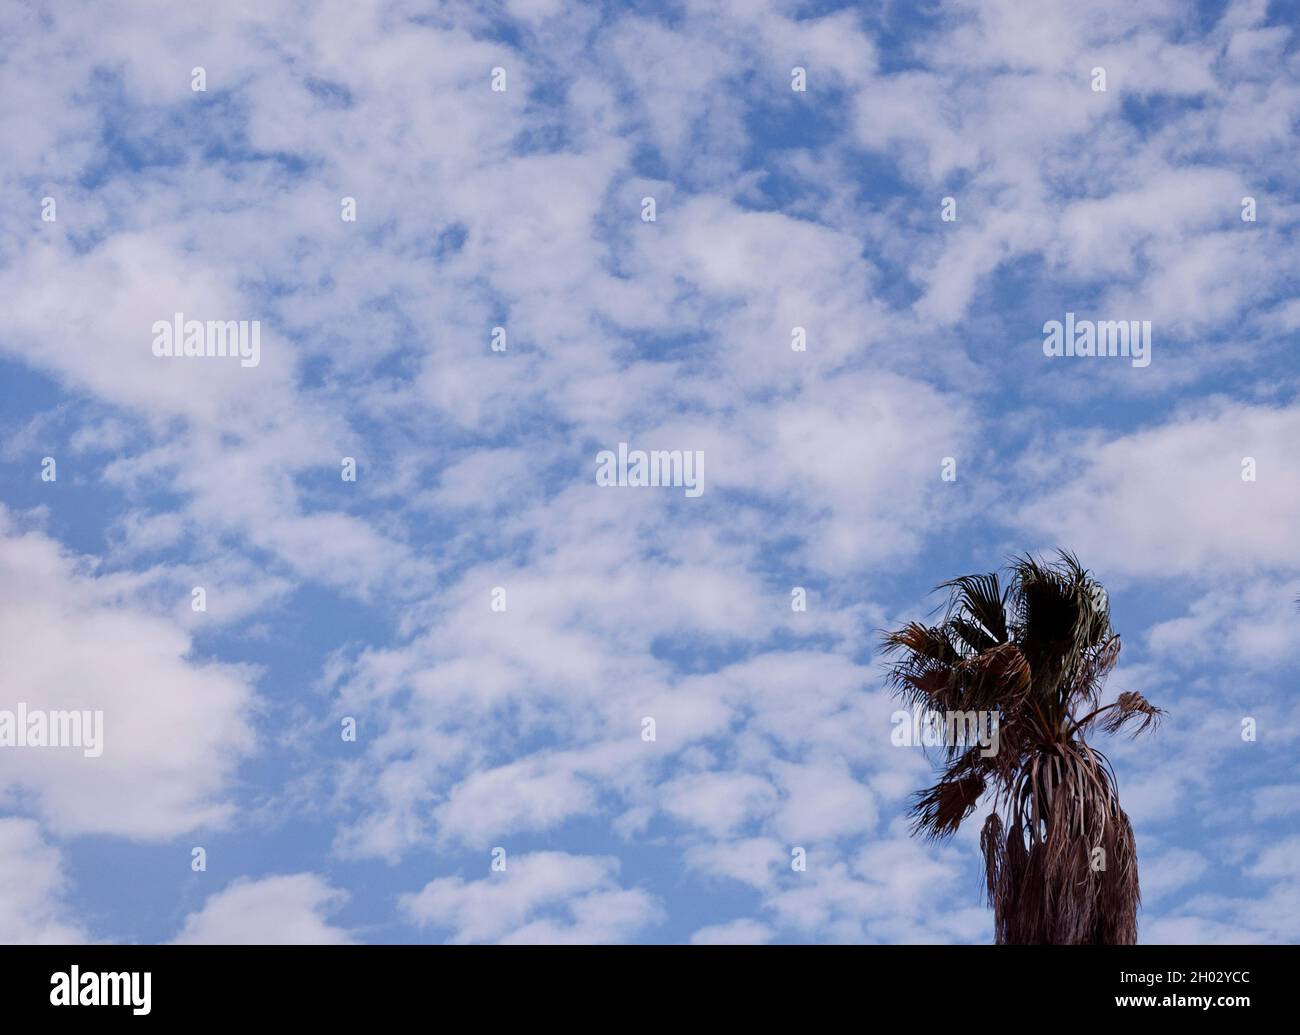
{"x":522,"y":208}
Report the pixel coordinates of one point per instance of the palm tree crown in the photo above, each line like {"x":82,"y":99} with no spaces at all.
{"x":1059,"y":854}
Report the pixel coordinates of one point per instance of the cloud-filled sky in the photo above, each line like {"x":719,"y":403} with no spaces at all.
{"x":950,"y":178}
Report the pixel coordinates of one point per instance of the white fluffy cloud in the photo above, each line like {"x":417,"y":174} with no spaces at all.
{"x":734,"y":932}
{"x":174,"y":727}
{"x":282,"y":910}
{"x":544,"y":897}
{"x":33,"y":889}
{"x":1170,"y":499}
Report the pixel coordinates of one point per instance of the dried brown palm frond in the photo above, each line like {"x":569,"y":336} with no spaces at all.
{"x":1059,"y":853}
{"x":941,"y":809}
{"x":1132,"y":705}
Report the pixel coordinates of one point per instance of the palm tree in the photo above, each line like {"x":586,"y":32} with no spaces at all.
{"x":1059,"y":854}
